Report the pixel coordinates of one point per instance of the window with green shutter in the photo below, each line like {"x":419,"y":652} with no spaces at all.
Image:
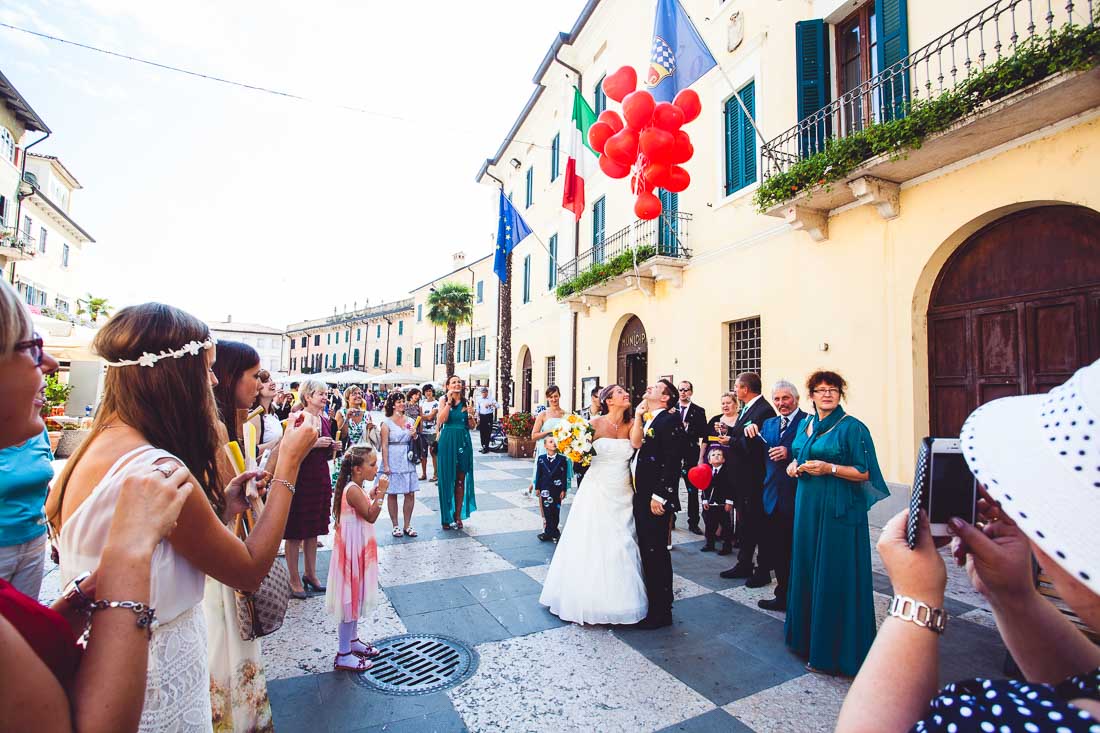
{"x":398,"y":363}
{"x":599,"y":99}
{"x":527,"y":279}
{"x":892,"y":30}
{"x":599,"y":221}
{"x":812,"y":74}
{"x":400,"y":328}
{"x":416,"y":357}
{"x":377,"y":358}
{"x":552,"y":274}
{"x":481,"y":348}
{"x":740,"y":140}
{"x":555,"y":157}
{"x":668,"y":232}
{"x":530,"y":187}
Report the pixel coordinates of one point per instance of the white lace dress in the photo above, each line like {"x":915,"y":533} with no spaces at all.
{"x":177,"y":685}
{"x":596,"y":574}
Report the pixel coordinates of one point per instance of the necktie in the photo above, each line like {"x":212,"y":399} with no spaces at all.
{"x":783,"y":425}
{"x":742,"y":413}
{"x":715,"y":473}
{"x":683,"y":413}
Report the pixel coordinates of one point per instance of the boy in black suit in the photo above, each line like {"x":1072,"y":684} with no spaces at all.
{"x":718,"y":502}
{"x":550,"y":473}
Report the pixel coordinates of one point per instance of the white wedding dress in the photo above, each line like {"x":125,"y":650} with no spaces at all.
{"x":596,"y":574}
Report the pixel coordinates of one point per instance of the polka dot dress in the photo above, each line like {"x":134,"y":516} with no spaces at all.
{"x":1012,"y":706}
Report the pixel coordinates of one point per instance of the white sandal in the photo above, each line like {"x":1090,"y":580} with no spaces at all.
{"x":397,"y":531}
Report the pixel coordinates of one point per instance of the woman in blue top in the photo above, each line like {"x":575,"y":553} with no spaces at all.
{"x":25,"y":473}
{"x":830,"y":606}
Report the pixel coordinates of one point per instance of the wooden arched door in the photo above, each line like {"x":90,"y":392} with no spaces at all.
{"x":633,"y":359}
{"x":525,"y":393}
{"x":1016,"y":310}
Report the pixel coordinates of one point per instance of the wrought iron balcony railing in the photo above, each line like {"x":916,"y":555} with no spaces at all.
{"x":16,"y":239}
{"x":665,"y":236}
{"x":938,"y":67}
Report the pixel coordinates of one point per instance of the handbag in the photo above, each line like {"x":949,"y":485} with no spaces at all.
{"x":261,"y":613}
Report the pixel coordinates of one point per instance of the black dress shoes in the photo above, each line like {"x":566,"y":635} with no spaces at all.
{"x":738,"y":571}
{"x":726,"y":550}
{"x":773,"y":604}
{"x":759,"y":580}
{"x":694,"y":529}
{"x":649,"y":623}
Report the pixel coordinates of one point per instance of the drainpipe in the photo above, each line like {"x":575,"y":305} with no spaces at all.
{"x":576,"y":254}
{"x":19,"y":197}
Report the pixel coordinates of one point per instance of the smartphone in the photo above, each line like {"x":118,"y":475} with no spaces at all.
{"x":952,"y":490}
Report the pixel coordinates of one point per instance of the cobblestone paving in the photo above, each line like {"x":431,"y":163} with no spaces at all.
{"x":481,"y":585}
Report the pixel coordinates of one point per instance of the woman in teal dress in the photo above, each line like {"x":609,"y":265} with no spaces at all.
{"x":830,"y":607}
{"x":545,"y":423}
{"x":455,"y":471}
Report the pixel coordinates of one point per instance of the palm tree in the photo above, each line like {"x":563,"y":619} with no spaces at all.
{"x":94,"y":307}
{"x":450,"y":305}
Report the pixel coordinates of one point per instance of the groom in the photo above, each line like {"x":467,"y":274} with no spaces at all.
{"x":658,"y":431}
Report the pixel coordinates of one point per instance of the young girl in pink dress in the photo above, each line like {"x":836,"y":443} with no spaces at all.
{"x":353,"y":569}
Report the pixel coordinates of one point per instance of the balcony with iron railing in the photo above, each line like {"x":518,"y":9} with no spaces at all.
{"x":637,"y":256}
{"x":16,"y":245}
{"x":1013,"y":68}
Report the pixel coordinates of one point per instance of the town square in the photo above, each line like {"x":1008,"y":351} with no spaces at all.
{"x":679,"y":365}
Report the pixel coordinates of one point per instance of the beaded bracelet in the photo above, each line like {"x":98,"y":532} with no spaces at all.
{"x":146,"y":614}
{"x":284,"y":482}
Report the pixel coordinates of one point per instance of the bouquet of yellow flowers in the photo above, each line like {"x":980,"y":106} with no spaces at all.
{"x":574,"y":437}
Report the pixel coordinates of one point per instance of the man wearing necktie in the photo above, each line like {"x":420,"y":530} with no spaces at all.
{"x":694,"y":419}
{"x":779,"y":491}
{"x":747,"y":455}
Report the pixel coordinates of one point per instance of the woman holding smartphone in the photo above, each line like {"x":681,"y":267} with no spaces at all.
{"x":830,"y":591}
{"x":720,"y":425}
{"x":456,"y":456}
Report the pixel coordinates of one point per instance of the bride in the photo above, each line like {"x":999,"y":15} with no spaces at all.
{"x":596,"y":574}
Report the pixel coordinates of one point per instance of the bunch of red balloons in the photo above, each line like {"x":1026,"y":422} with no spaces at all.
{"x":647,"y":142}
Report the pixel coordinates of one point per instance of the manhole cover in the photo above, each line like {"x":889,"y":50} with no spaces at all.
{"x":416,"y":664}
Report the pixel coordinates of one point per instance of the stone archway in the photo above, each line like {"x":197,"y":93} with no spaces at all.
{"x":1014,"y":310}
{"x":632,"y":359}
{"x":526,"y":374}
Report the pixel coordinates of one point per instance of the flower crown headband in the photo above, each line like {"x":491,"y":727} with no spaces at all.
{"x":148,"y":360}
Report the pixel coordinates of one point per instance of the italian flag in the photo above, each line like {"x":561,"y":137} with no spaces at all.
{"x":582,"y":158}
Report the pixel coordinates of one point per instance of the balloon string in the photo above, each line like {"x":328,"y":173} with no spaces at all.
{"x":639,"y":178}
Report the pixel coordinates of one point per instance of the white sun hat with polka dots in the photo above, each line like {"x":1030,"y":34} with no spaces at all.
{"x":1039,"y":455}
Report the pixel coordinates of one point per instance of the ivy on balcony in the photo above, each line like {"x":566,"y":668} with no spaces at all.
{"x":603,"y":271}
{"x":1070,"y":48}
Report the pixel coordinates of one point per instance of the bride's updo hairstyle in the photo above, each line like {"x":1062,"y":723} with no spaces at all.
{"x":170,"y":403}
{"x":605,"y":395}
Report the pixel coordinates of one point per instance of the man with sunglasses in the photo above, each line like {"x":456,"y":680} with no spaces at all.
{"x":694,"y":419}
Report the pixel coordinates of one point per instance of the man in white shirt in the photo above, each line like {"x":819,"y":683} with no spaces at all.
{"x":486,"y":411}
{"x":429,"y":409}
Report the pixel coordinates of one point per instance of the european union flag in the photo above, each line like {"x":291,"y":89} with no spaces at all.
{"x":511,"y":230}
{"x":679,"y":55}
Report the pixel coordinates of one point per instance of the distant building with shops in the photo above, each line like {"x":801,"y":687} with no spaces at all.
{"x":375,"y":339}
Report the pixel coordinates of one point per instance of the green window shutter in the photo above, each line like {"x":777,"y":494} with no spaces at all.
{"x":555,"y":157}
{"x":398,"y":356}
{"x":740,"y":140}
{"x":668,"y":231}
{"x":599,"y":98}
{"x":813,"y":80}
{"x":481,"y":348}
{"x":416,"y":357}
{"x":527,"y":279}
{"x":552,"y":275}
{"x":598,"y":210}
{"x":530,"y":187}
{"x":892,"y":21}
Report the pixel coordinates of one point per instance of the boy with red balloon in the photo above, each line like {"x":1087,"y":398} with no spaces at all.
{"x":715,"y":484}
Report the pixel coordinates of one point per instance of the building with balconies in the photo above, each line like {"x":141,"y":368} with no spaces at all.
{"x":905,"y":193}
{"x":374,"y":339}
{"x":17,"y":119}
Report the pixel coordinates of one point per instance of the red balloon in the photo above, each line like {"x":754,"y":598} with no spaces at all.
{"x":668,"y":116}
{"x":638,"y":109}
{"x":655,"y":174}
{"x":656,"y":144}
{"x":612,"y":169}
{"x":611,"y":118}
{"x":621,"y":83}
{"x":622,"y":147}
{"x":688,"y":101}
{"x":677,"y":179}
{"x":647,"y":206}
{"x":700,"y":477}
{"x":682,"y":149}
{"x":598,"y":134}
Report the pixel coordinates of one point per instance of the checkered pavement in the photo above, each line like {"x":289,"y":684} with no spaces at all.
{"x":722,"y":666}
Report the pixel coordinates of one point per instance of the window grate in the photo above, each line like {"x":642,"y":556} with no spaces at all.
{"x":744,"y":344}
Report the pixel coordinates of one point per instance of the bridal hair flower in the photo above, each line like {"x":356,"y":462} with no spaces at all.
{"x":148,"y":360}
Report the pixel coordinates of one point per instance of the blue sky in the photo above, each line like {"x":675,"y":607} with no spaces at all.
{"x":225,"y":201}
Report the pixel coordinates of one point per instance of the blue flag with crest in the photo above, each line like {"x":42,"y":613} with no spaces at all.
{"x":679,"y":55}
{"x":511,"y":230}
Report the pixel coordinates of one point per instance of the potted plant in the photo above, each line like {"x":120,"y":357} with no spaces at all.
{"x":57,"y":394}
{"x":517,"y":427}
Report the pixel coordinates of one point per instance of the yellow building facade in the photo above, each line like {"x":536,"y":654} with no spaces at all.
{"x":933,"y":279}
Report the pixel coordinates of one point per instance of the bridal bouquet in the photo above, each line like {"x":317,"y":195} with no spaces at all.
{"x":574,"y":437}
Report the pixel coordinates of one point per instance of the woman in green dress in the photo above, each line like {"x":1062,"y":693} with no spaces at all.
{"x":830,"y":608}
{"x":455,"y":470}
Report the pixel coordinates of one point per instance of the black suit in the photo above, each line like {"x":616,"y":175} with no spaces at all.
{"x":748,"y":458}
{"x":657,"y":474}
{"x":695,"y":430}
{"x":717,"y":495}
